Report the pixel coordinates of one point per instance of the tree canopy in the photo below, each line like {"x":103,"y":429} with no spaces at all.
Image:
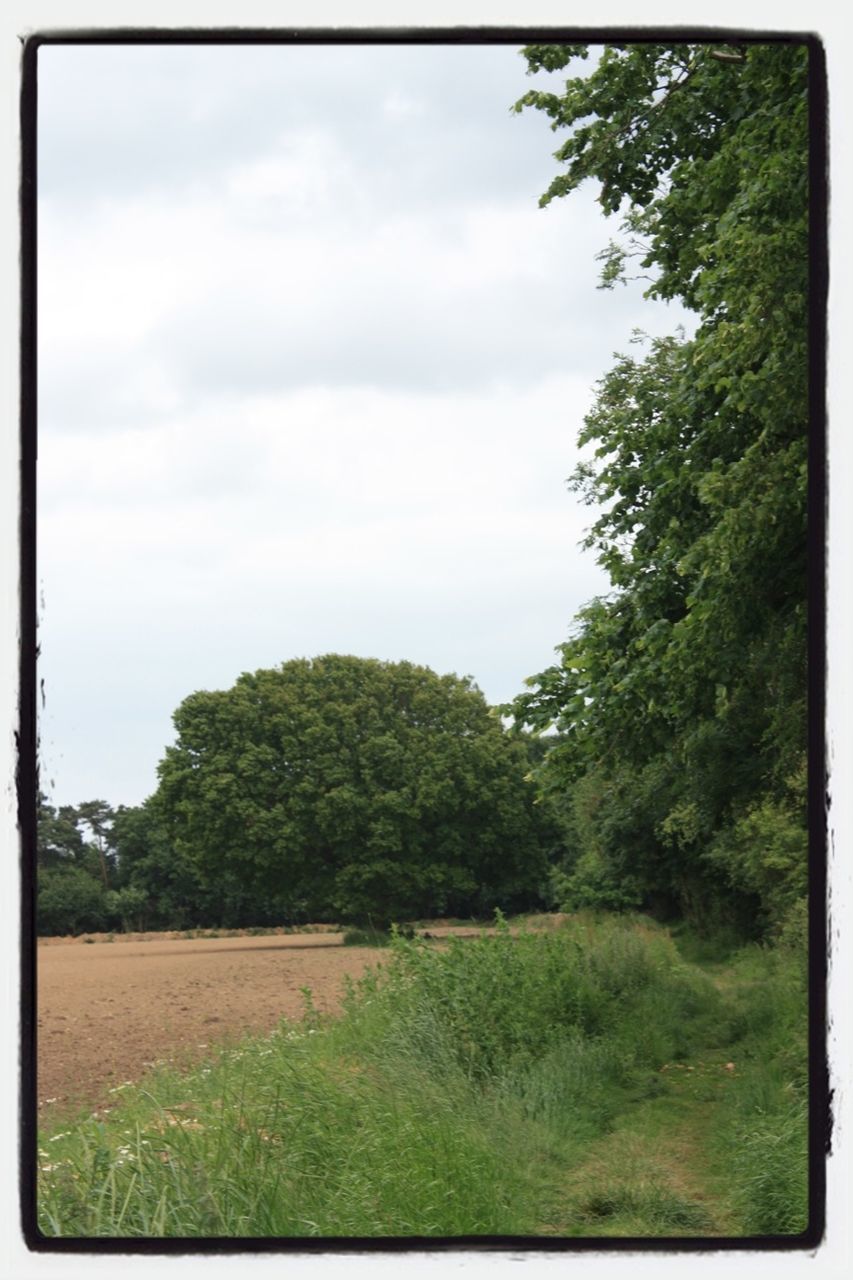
{"x":353,"y":788}
{"x":681,"y":694}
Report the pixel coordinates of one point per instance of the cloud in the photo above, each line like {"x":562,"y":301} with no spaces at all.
{"x":312,"y":364}
{"x":395,"y":525}
{"x":158,"y":302}
{"x":221,"y":221}
{"x":121,"y":120}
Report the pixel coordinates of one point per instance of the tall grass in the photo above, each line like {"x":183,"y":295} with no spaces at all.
{"x":448,"y":1099}
{"x":763,"y":1131}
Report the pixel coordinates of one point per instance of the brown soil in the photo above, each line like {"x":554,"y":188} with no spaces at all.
{"x":108,"y":1012}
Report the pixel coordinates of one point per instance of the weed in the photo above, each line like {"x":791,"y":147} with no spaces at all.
{"x":455,"y":1095}
{"x":366,"y":937}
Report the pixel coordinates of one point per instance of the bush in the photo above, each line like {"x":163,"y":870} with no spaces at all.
{"x":367,"y":937}
{"x":128,"y":905}
{"x":497,"y":1002}
{"x":765,"y":853}
{"x":592,"y":886}
{"x":458,"y":1088}
{"x":70,"y":901}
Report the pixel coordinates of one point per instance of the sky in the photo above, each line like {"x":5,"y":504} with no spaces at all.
{"x":312,"y":365}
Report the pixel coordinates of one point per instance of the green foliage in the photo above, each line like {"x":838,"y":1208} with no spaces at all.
{"x":128,"y":905}
{"x":281,"y":1138}
{"x":764,"y":852}
{"x":684,"y":689}
{"x":501,"y":1001}
{"x":592,"y":885}
{"x":489,"y":1087}
{"x":380,"y":1122}
{"x":70,"y":901}
{"x":656,"y":1205}
{"x":356,"y":789}
{"x":58,"y":835}
{"x":367,"y":937}
{"x":168,"y":893}
{"x":770,"y":1171}
{"x":98,"y":816}
{"x":762,"y":1136}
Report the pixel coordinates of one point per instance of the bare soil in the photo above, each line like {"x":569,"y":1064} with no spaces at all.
{"x":110,"y":1007}
{"x":108,"y":1012}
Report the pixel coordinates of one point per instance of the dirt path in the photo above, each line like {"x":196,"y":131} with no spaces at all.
{"x":109,"y":1011}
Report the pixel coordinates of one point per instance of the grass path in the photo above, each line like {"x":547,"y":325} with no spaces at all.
{"x":499,"y":1086}
{"x":656,"y":1171}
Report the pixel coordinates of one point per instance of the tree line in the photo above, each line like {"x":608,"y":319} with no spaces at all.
{"x":661,"y":762}
{"x":681,"y":694}
{"x":334,"y":788}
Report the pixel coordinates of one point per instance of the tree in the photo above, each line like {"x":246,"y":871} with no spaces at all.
{"x":72,"y":871}
{"x":169,"y":893}
{"x":684,"y":688}
{"x":70,"y":901}
{"x":352,"y":788}
{"x":98,"y":816}
{"x":59,"y":839}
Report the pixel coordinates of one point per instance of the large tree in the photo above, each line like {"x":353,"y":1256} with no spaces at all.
{"x":681,"y":694}
{"x":353,"y":788}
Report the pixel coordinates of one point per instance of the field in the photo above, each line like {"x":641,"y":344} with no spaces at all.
{"x":110,"y":1010}
{"x":588,"y":1080}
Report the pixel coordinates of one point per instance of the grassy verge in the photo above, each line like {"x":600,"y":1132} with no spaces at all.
{"x":576,"y":1082}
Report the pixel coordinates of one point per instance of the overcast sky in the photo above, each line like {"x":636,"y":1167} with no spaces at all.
{"x":312,"y":363}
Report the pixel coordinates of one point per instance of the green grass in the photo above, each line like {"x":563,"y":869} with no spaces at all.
{"x":366,"y":936}
{"x":574,"y":1082}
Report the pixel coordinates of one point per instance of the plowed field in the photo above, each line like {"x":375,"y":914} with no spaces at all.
{"x":107,"y":1012}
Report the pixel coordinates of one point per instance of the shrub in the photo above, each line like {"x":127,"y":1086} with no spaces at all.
{"x":70,"y":901}
{"x":366,"y":937}
{"x":765,"y":852}
{"x":495,"y":1002}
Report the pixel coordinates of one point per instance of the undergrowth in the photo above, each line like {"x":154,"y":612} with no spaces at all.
{"x":453,"y":1097}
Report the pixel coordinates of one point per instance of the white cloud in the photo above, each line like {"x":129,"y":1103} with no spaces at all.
{"x":174,"y":556}
{"x":154,"y":303}
{"x":399,"y":106}
{"x":312,"y":365}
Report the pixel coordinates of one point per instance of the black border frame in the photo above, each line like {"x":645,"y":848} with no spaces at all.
{"x":820,"y":1115}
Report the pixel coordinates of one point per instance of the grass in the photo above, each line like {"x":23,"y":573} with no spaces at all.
{"x":366,"y":936}
{"x":586,"y":1081}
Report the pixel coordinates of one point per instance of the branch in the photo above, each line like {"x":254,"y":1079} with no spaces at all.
{"x":722,"y":56}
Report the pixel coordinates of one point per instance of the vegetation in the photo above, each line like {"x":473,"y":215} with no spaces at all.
{"x":609,"y":1078}
{"x":364,"y":790}
{"x":681,"y":695}
{"x":532,"y":1085}
{"x":125,"y":876}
